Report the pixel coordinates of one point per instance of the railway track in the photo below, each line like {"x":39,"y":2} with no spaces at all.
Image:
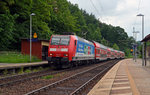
{"x":24,"y":77}
{"x":5,"y":81}
{"x":23,"y":85}
{"x":74,"y":84}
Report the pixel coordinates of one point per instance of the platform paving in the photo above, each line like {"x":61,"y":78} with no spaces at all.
{"x":127,"y":77}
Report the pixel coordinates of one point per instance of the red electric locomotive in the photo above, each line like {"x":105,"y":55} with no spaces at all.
{"x":67,"y":50}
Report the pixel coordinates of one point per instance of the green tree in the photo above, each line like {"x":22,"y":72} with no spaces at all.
{"x":54,"y":17}
{"x":61,"y":18}
{"x":80,"y":21}
{"x":6,"y":30}
{"x":104,"y":42}
{"x":42,"y":18}
{"x":128,"y":53}
{"x":5,"y":6}
{"x":115,"y":46}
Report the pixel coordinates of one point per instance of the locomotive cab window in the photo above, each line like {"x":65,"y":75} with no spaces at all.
{"x":60,"y":40}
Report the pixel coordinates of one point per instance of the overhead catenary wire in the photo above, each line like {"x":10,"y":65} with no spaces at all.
{"x":139,"y":5}
{"x":95,"y":9}
{"x":138,"y":9}
{"x":102,"y":9}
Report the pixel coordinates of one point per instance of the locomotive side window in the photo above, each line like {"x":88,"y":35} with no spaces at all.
{"x":60,"y":40}
{"x":75,"y":42}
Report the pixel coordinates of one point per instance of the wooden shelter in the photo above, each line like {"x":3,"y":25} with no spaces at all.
{"x":147,"y":50}
{"x":39,"y":48}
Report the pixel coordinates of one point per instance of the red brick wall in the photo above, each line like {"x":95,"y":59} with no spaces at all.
{"x":36,"y":48}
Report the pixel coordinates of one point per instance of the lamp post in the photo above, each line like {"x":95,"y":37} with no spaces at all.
{"x":32,"y":14}
{"x":142,"y":38}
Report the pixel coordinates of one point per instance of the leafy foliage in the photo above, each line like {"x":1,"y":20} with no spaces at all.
{"x":54,"y":17}
{"x":115,"y":46}
{"x":7,"y":27}
{"x":128,"y":53}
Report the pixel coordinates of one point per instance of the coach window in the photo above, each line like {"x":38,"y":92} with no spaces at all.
{"x":97,"y":51}
{"x":108,"y":52}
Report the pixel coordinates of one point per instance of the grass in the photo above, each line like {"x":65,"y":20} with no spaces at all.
{"x":28,"y":71}
{"x":16,"y":57}
{"x":47,"y":77}
{"x":5,"y":72}
{"x":59,"y":74}
{"x":21,"y":70}
{"x":52,"y":76}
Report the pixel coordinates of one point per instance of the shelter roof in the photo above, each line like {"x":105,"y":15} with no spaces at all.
{"x":147,"y":38}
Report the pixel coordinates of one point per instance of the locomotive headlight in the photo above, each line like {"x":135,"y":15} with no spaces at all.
{"x":64,"y":49}
{"x":50,"y":54}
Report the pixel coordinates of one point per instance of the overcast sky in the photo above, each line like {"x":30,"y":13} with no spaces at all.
{"x":120,"y":13}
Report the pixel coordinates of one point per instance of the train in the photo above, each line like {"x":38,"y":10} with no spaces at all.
{"x":70,"y":50}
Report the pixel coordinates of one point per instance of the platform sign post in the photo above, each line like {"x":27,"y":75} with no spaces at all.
{"x":131,"y":51}
{"x":134,"y":50}
{"x":135,"y":53}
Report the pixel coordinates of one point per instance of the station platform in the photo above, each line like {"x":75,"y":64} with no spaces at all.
{"x":127,"y":77}
{"x":15,"y":65}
